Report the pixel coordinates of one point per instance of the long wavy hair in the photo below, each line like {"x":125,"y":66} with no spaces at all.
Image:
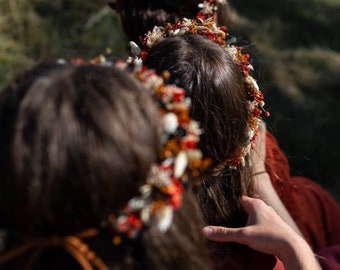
{"x":219,"y":101}
{"x":76,"y":143}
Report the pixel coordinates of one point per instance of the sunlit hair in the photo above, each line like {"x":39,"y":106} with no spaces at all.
{"x":76,"y":144}
{"x":216,"y":76}
{"x":220,"y":101}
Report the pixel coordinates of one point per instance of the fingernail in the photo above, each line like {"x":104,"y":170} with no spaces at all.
{"x":207,"y":231}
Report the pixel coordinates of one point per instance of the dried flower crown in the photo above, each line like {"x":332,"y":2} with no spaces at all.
{"x":178,"y":159}
{"x":208,"y":8}
{"x":162,"y":193}
{"x":217,"y":34}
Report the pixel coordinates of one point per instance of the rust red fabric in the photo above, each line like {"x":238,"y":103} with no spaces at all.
{"x":315,"y":211}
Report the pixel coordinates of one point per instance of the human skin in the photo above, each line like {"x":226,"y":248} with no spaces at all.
{"x":263,"y":186}
{"x":266,"y":232}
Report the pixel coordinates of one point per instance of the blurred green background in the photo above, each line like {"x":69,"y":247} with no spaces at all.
{"x":295,"y":45}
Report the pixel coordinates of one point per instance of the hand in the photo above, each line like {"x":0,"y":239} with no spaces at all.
{"x":268,"y":233}
{"x":265,"y":230}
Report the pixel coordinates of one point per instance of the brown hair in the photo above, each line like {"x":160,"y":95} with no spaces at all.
{"x":219,"y":101}
{"x":138,"y":17}
{"x":76,"y":143}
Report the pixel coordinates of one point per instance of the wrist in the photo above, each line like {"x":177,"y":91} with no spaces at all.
{"x":259,"y":172}
{"x":261,"y":178}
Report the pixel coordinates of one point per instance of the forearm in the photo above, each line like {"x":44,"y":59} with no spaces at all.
{"x":297,"y":255}
{"x":264,"y":190}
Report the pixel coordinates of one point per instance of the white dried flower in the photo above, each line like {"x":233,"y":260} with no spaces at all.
{"x":155,"y":36}
{"x":135,"y":48}
{"x":250,"y":80}
{"x":181,"y":163}
{"x":170,"y":122}
{"x":163,"y":218}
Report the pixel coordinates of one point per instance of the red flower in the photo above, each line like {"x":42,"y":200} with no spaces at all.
{"x":175,"y":192}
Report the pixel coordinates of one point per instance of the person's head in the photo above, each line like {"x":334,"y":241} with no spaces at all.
{"x":76,"y":144}
{"x":214,"y":83}
{"x":219,"y":102}
{"x":138,"y":17}
{"x":225,"y":100}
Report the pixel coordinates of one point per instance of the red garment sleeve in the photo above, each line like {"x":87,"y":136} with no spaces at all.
{"x":315,"y":211}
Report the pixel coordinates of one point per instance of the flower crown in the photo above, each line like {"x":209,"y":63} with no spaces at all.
{"x":208,"y":8}
{"x":178,"y":158}
{"x":218,"y":35}
{"x":162,"y":193}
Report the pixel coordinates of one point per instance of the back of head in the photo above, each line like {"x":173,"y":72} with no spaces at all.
{"x":220,"y":103}
{"x":76,"y":143}
{"x":215,"y":85}
{"x":138,"y":17}
{"x":70,"y":142}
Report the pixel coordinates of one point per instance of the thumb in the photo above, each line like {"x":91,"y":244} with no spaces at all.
{"x":250,"y":204}
{"x":222,"y":234}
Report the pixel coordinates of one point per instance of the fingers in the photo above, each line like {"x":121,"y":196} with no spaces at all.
{"x":251,"y":204}
{"x":239,"y":235}
{"x":246,"y":203}
{"x":223,"y":234}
